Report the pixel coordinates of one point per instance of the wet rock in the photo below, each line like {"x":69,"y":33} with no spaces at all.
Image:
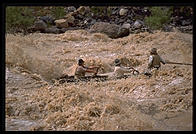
{"x":93,"y":22}
{"x":47,"y":19}
{"x":167,"y":28}
{"x":138,"y":24}
{"x":123,"y":12}
{"x":39,"y":25}
{"x":186,"y":22}
{"x":71,"y":9}
{"x":53,"y":29}
{"x":186,"y":29}
{"x":126,"y":25}
{"x":82,"y":10}
{"x":123,"y":31}
{"x":109,"y":29}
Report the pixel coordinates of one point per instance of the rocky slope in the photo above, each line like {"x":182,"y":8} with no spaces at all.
{"x":84,"y":17}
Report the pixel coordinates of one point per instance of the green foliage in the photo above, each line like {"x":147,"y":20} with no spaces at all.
{"x":58,"y":12}
{"x":18,"y":18}
{"x":159,"y":17}
{"x":101,"y":10}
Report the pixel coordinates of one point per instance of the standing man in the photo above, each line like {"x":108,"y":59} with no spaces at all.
{"x":155,"y":60}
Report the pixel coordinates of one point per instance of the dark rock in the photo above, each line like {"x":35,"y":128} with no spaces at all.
{"x":167,"y":28}
{"x":48,"y":19}
{"x":53,"y":29}
{"x":186,"y":29}
{"x":138,"y":24}
{"x":102,"y":27}
{"x":71,"y":9}
{"x":123,"y":32}
{"x":186,"y":22}
{"x":93,"y":21}
{"x":40,"y":25}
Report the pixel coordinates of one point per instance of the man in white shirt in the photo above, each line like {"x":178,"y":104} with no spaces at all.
{"x":119,"y":71}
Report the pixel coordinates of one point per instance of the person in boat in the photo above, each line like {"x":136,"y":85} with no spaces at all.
{"x":81,"y":70}
{"x":119,"y":70}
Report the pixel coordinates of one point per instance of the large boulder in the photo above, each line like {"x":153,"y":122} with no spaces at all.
{"x":61,"y":23}
{"x":66,"y":22}
{"x":124,"y":30}
{"x":47,"y":19}
{"x":112,"y":30}
{"x":69,"y":19}
{"x":109,"y":29}
{"x":82,"y":10}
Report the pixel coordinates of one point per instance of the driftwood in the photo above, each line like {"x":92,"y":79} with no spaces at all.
{"x":169,"y":62}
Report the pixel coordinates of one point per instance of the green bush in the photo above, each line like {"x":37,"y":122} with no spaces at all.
{"x":58,"y":12}
{"x":159,"y":16}
{"x":101,"y":10}
{"x":18,"y":18}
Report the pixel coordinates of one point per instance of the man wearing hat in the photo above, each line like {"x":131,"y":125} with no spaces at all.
{"x":119,"y":71}
{"x":155,"y":60}
{"x":81,"y":69}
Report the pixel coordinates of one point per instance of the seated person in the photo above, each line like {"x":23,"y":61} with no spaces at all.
{"x":81,"y":69}
{"x":119,"y":71}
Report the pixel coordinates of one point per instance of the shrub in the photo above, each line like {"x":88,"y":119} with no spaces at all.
{"x":18,"y":18}
{"x":159,"y":16}
{"x":101,"y":10}
{"x":58,"y":12}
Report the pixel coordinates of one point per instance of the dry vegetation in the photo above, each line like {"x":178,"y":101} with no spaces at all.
{"x":135,"y":103}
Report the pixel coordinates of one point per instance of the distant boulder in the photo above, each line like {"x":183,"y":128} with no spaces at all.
{"x":138,"y":24}
{"x":112,"y":30}
{"x":70,"y":19}
{"x":47,"y":19}
{"x":53,"y":29}
{"x":126,"y":25}
{"x":40,"y":25}
{"x":122,"y":32}
{"x":82,"y":10}
{"x":109,"y":29}
{"x":71,"y":9}
{"x":123,"y":12}
{"x":61,"y":23}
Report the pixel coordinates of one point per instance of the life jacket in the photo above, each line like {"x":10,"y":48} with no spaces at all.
{"x":156,"y":61}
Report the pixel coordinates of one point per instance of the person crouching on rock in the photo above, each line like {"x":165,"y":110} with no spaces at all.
{"x":81,"y":70}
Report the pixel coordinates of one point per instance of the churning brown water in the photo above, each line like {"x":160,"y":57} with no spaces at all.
{"x":33,"y":102}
